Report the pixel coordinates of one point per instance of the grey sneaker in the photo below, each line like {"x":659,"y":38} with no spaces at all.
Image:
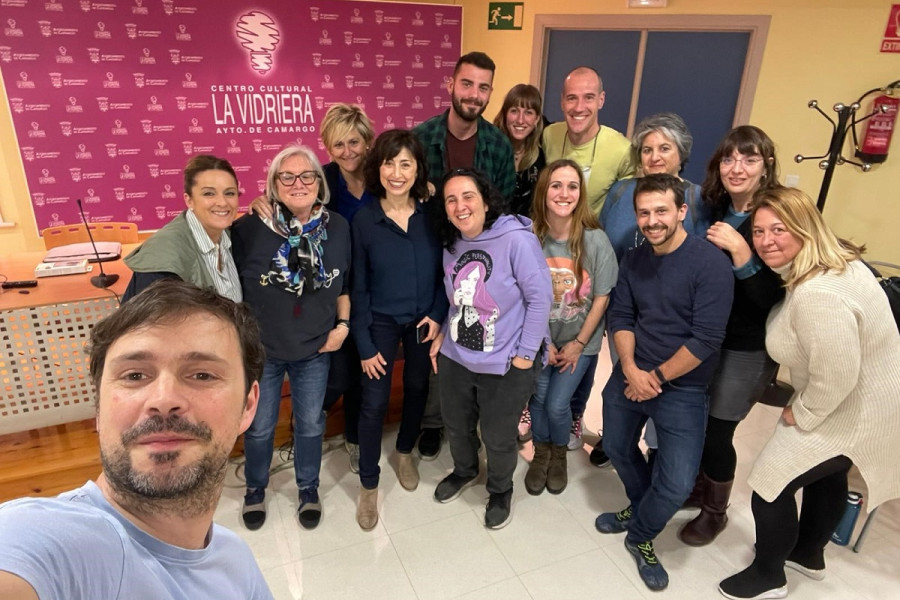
{"x":498,"y":514}
{"x":451,"y":487}
{"x":353,"y":451}
{"x":575,"y":440}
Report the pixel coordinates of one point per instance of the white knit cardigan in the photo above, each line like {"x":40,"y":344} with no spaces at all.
{"x":838,"y":337}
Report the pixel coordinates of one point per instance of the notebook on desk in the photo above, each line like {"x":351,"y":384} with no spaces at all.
{"x":84,"y":250}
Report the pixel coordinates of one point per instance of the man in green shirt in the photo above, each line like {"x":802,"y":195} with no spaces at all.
{"x":604,"y":154}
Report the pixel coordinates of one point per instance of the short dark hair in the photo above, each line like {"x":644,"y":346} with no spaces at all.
{"x":171,"y":300}
{"x":477,"y":59}
{"x":493,"y":199}
{"x":204,"y":162}
{"x":660,"y":182}
{"x":388,"y":145}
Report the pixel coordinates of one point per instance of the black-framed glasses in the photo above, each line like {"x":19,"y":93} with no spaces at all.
{"x":306,"y":177}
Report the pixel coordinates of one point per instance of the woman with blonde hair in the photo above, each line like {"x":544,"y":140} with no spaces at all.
{"x":577,"y":250}
{"x":836,"y":333}
{"x":521,"y":118}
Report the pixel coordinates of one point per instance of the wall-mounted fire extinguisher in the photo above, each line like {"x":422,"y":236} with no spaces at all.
{"x":879,"y":127}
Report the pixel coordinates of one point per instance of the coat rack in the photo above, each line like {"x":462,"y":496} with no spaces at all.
{"x":847,"y":120}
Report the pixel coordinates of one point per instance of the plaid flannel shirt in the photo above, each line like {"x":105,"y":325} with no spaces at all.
{"x":493,"y":153}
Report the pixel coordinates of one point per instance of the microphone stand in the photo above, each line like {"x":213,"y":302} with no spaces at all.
{"x":102,"y":280}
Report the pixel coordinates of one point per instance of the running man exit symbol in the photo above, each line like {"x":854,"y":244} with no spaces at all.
{"x":505,"y":15}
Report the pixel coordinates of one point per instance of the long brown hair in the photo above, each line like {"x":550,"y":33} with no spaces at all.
{"x":582,"y":217}
{"x":525,"y":96}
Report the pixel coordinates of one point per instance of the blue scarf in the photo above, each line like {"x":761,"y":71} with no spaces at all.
{"x":298,"y":262}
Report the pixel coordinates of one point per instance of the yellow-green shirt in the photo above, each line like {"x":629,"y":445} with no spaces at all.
{"x":611,"y":153}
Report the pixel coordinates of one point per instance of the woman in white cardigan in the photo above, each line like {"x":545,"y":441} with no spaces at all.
{"x":837,"y":335}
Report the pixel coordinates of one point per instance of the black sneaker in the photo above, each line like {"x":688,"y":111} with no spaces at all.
{"x":254,"y":511}
{"x":430,"y":443}
{"x":498,"y":514}
{"x":753,"y":584}
{"x":598,"y":456}
{"x":451,"y":487}
{"x":650,"y":569}
{"x":310,"y":511}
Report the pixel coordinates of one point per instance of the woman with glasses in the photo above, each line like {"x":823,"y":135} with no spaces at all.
{"x":743,"y":165}
{"x":347,"y":134}
{"x":195,"y":245}
{"x":397,"y":298}
{"x":293,"y":269}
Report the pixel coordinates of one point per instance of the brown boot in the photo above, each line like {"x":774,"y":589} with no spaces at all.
{"x":407,"y":473}
{"x":712,"y":518}
{"x":536,"y":477}
{"x":695,"y":500}
{"x":558,"y":472}
{"x":367,"y":511}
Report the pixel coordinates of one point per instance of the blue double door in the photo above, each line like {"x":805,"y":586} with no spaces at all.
{"x":696,"y":74}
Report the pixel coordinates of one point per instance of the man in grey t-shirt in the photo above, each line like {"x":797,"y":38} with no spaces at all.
{"x":176,"y":371}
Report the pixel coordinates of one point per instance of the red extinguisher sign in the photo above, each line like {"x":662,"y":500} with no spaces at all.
{"x":879,"y":128}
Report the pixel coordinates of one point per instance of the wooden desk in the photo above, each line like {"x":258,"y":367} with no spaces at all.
{"x":44,"y":377}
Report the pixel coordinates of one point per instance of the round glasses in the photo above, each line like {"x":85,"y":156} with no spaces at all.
{"x":749,"y":161}
{"x":306,"y":177}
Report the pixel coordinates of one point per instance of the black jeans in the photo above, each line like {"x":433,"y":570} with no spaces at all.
{"x":496,"y":401}
{"x":779,"y":533}
{"x":344,"y":380}
{"x":376,"y":394}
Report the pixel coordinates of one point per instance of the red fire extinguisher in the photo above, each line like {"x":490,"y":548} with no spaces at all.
{"x":877,"y":138}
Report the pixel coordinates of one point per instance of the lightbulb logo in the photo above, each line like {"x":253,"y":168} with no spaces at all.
{"x":258,"y":35}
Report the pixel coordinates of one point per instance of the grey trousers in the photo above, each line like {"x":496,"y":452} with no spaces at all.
{"x":496,"y":401}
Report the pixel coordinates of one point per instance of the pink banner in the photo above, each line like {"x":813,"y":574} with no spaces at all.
{"x":110,"y":99}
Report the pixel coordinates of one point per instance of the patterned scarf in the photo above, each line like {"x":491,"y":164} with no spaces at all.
{"x":298,"y":261}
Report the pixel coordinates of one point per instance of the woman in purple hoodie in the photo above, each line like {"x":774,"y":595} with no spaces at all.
{"x":489,"y":350}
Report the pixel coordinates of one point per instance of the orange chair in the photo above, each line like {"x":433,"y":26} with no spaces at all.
{"x":124,"y":233}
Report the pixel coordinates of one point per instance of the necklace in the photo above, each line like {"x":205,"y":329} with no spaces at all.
{"x":585,"y":169}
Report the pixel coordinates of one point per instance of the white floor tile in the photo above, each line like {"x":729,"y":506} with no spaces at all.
{"x":423,"y":550}
{"x":451,"y":557}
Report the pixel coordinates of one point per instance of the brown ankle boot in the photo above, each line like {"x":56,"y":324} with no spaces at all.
{"x":558,"y":471}
{"x":695,"y":500}
{"x":536,"y":477}
{"x":712,"y":518}
{"x":367,"y":509}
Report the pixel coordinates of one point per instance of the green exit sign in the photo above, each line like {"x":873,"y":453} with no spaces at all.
{"x":505,"y":15}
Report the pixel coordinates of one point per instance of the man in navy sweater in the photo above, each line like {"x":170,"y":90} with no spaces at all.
{"x":667,"y":316}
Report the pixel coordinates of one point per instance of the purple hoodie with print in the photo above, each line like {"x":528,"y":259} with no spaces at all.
{"x":500,"y":294}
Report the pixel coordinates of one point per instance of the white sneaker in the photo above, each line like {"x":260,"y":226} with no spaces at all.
{"x":525,"y":426}
{"x":575,"y":440}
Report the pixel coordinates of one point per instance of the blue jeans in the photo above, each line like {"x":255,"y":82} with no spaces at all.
{"x":551,"y":414}
{"x":583,"y":391}
{"x":376,"y":394}
{"x":680,"y":417}
{"x":308,"y":379}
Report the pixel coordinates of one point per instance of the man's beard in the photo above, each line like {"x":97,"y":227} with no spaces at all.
{"x":462,"y":112}
{"x":189,"y":490}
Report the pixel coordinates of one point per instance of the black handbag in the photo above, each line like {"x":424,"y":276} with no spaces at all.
{"x":890,"y":285}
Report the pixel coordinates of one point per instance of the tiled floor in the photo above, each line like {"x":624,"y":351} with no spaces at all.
{"x":428,"y":551}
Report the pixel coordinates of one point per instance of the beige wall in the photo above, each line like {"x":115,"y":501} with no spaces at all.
{"x":822,"y":49}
